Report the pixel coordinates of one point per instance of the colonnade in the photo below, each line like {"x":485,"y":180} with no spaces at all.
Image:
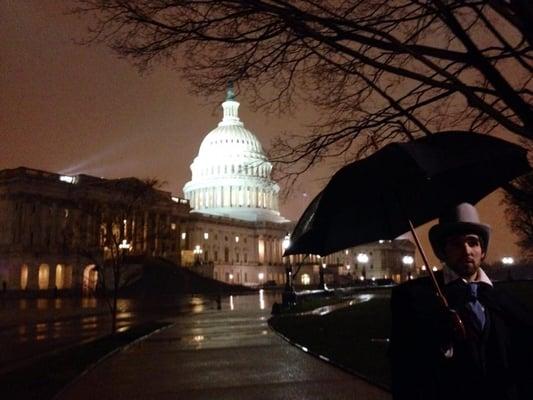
{"x":234,"y":196}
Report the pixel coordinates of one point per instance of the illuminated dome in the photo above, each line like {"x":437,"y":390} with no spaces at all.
{"x":231,"y":174}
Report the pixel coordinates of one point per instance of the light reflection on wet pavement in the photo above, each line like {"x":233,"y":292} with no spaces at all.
{"x":33,"y":327}
{"x":29,"y":328}
{"x":357,"y":299}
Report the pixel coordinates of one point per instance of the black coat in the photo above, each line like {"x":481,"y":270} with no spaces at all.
{"x":494,"y":364}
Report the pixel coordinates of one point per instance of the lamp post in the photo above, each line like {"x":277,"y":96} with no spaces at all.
{"x":322,"y":283}
{"x":197,"y":251}
{"x":362,"y":258}
{"x":408,"y":262}
{"x":123,"y":246}
{"x":287,"y":261}
{"x":288,"y":296}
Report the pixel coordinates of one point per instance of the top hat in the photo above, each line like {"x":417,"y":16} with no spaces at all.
{"x":461,"y":219}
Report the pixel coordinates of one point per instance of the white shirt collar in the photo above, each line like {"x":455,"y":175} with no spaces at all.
{"x":450,"y":276}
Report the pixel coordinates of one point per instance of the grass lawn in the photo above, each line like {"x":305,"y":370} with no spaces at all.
{"x":355,"y":336}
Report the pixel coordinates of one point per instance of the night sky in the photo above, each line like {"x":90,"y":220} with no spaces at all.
{"x":73,"y":109}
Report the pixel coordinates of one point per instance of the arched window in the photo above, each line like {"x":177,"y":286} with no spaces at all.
{"x":44,"y":276}
{"x":24,"y":277}
{"x":90,"y":279}
{"x":60,"y":277}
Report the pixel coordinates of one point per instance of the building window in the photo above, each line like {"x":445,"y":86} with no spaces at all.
{"x":226,"y":254}
{"x":183,"y":235}
{"x":206,"y":235}
{"x":44,"y":276}
{"x":60,"y":276}
{"x":24,"y":277}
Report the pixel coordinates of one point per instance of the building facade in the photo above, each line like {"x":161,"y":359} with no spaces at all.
{"x":55,"y":230}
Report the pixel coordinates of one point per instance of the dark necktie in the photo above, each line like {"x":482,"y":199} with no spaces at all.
{"x":475,"y":308}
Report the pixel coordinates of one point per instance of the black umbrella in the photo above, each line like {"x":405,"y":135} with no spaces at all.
{"x":403,"y":183}
{"x":402,"y":186}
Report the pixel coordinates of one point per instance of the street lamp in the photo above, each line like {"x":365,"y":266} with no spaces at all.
{"x":287,"y":260}
{"x":408,"y":262}
{"x":197,"y":251}
{"x":362,"y":258}
{"x":124,"y":245}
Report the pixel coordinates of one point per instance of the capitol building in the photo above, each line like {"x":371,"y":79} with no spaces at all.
{"x":55,"y":229}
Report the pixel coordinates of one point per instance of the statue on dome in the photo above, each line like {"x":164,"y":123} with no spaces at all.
{"x":230,"y":93}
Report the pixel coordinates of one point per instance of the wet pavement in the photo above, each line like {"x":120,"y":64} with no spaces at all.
{"x":219,"y":354}
{"x":31,"y":328}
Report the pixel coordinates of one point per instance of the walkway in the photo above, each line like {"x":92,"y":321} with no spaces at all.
{"x":219,"y":354}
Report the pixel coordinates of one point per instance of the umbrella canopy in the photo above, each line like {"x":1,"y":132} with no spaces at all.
{"x":375,"y":198}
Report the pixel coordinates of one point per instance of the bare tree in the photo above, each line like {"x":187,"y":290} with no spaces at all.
{"x":380,"y":70}
{"x":114,"y":216}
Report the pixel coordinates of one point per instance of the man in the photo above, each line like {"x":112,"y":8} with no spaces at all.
{"x":492,"y":359}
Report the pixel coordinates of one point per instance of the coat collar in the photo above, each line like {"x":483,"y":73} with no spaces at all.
{"x":450,"y":276}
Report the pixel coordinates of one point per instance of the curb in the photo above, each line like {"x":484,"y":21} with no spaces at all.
{"x":329,"y":361}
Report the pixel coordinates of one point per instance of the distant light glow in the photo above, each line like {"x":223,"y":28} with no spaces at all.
{"x":124,"y":245}
{"x":68,"y":179}
{"x":434,"y":268}
{"x":362,"y":258}
{"x":206,"y":235}
{"x":507,"y":260}
{"x":423,"y":267}
{"x":306,"y":279}
{"x":180,"y":200}
{"x":261,"y":276}
{"x":236,"y":239}
{"x":408,"y":260}
{"x":286,"y":242}
{"x":183,"y":235}
{"x":362,"y":278}
{"x":324,"y":265}
{"x":348,"y":267}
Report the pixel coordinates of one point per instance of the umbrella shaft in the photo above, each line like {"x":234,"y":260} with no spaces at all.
{"x":440,"y":295}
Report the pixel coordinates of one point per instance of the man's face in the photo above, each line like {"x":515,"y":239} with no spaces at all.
{"x":463,"y":254}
